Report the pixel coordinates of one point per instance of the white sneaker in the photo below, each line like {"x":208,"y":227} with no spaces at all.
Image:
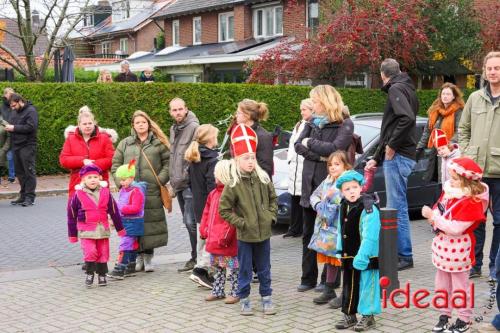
{"x":148,"y":265}
{"x":139,"y":263}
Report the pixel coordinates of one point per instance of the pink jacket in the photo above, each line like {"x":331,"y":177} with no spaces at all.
{"x":453,"y":246}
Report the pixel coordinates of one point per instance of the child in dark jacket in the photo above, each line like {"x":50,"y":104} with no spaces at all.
{"x":88,"y":220}
{"x":249,"y":203}
{"x":131,"y":199}
{"x":220,"y":238}
{"x":202,"y":157}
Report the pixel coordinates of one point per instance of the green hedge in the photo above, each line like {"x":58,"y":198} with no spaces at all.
{"x":113,"y":105}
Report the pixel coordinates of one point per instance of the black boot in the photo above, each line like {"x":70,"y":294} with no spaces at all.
{"x":90,"y":269}
{"x":327,"y":295}
{"x":130,"y":269}
{"x":101,"y":268}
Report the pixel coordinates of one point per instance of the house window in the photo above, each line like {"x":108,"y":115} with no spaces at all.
{"x":124,"y":45}
{"x":313,"y":16}
{"x":268,"y":21}
{"x":226,"y":27}
{"x":197,"y":30}
{"x":175,"y":33}
{"x":121,"y":10}
{"x":88,"y":20}
{"x":186,"y":78}
{"x":106,"y":48}
{"x":356,"y":80}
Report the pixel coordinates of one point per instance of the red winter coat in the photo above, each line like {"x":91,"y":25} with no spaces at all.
{"x":220,"y":236}
{"x":75,"y":150}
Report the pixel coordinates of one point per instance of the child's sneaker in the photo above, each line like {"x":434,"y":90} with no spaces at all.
{"x":116,"y":274}
{"x":268,"y":306}
{"x":101,"y":281}
{"x":89,"y":280}
{"x":459,"y":326}
{"x":365,"y":324}
{"x":442,"y":324}
{"x":246,"y":308}
{"x":346,"y":322}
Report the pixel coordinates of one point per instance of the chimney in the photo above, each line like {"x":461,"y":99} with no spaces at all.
{"x":103,"y":3}
{"x":35,"y":17}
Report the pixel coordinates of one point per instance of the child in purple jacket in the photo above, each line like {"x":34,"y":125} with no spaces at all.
{"x":88,"y":220}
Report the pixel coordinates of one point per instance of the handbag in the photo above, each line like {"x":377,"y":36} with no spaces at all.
{"x":166,"y":199}
{"x":324,"y":238}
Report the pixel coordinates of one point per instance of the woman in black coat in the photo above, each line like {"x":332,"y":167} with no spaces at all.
{"x":251,"y":113}
{"x":330,"y":130}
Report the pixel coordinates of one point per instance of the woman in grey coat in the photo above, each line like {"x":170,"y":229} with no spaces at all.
{"x":148,"y":139}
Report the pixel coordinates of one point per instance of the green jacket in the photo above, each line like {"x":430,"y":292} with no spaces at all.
{"x":155,"y":222}
{"x":479,"y":132}
{"x":250,"y":206}
{"x":4,"y":143}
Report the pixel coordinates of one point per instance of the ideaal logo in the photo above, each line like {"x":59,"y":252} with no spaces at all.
{"x":440,"y":299}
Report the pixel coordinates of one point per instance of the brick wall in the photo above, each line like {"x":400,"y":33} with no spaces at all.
{"x":294,"y":19}
{"x":242,"y":22}
{"x":209,"y":28}
{"x":186,"y":30}
{"x":145,"y":37}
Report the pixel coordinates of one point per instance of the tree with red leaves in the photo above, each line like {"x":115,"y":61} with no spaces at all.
{"x":488,"y":13}
{"x":357,"y":37}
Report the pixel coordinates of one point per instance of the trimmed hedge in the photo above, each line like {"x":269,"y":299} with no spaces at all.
{"x":113,"y":105}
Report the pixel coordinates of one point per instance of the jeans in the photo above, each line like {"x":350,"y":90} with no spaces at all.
{"x":480,"y":232}
{"x":260,"y":253}
{"x":185,"y":198}
{"x":10,"y":163}
{"x":396,"y":172}
{"x":24,"y":160}
{"x":496,"y":319}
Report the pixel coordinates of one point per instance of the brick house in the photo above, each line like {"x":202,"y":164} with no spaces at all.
{"x":126,"y":28}
{"x":211,"y":40}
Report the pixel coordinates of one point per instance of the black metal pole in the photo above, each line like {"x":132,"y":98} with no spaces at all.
{"x":388,"y":247}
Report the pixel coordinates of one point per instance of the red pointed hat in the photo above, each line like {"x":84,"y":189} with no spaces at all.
{"x":439,"y":138}
{"x":244,"y":140}
{"x":466,"y":167}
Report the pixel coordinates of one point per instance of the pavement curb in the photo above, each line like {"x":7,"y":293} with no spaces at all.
{"x":43,"y":193}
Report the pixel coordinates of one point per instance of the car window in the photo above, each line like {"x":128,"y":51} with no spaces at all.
{"x":367,"y":133}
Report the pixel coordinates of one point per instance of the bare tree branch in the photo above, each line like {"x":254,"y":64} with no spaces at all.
{"x":17,"y":64}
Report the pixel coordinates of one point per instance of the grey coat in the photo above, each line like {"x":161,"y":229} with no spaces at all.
{"x":155,"y":222}
{"x":181,"y":136}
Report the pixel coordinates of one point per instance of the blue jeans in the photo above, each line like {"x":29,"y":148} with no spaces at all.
{"x":10,"y":163}
{"x":480,"y":232}
{"x":496,"y":319}
{"x":396,"y":172}
{"x":185,"y":198}
{"x":260,"y":253}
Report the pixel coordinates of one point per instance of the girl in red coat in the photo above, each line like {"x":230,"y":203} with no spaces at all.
{"x":459,"y":211}
{"x":220,"y":238}
{"x":86,"y":144}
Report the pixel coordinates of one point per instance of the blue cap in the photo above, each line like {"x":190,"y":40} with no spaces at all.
{"x":348,"y":176}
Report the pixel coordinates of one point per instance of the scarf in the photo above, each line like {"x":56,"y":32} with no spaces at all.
{"x":448,"y":122}
{"x":320,"y":121}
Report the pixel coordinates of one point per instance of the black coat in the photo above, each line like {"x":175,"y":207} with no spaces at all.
{"x":5,"y":111}
{"x":264,"y":152}
{"x":25,"y":123}
{"x":201,"y":176}
{"x":126,"y":77}
{"x":399,"y":121}
{"x":322,"y":142}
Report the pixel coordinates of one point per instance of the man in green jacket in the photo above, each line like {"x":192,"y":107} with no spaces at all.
{"x":479,"y":139}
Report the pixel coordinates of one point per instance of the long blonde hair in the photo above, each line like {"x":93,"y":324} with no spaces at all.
{"x":331,"y":101}
{"x":102,"y":76}
{"x":222,"y":171}
{"x":202,"y":136}
{"x":153,"y":127}
{"x":236,"y":173}
{"x":256,"y":111}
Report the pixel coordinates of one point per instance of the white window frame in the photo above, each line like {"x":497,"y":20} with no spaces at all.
{"x":264,"y":28}
{"x":196,"y":19}
{"x":88,"y":20}
{"x":308,"y":25}
{"x":176,"y":39}
{"x":106,"y":48}
{"x":124,"y":42}
{"x":120,"y":10}
{"x":226,"y":17}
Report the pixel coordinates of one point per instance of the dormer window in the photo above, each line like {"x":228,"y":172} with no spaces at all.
{"x":88,"y":20}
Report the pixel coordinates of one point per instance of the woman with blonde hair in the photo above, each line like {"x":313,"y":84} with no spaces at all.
{"x":330,"y":129}
{"x":444,"y":113}
{"x":104,"y":76}
{"x":149,"y":147}
{"x":202,"y":157}
{"x":252,"y":113}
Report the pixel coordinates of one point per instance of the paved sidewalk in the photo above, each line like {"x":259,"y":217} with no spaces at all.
{"x":55,"y":300}
{"x":46,"y":186}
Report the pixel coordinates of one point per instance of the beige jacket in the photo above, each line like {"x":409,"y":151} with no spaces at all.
{"x":479,"y":132}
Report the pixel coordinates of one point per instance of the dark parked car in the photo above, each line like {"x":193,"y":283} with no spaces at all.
{"x":420,"y":192}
